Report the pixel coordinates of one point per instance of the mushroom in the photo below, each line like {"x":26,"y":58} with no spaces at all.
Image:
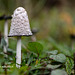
{"x":19,"y":27}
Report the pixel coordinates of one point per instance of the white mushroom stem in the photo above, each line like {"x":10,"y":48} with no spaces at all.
{"x":6,"y":35}
{"x":18,"y":52}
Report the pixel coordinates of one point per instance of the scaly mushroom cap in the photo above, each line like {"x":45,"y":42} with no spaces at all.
{"x":20,"y":23}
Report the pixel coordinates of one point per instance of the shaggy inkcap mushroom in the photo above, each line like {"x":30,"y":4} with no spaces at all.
{"x":19,"y":27}
{"x":20,"y":23}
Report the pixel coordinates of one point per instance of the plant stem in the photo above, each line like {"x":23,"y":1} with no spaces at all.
{"x":6,"y":35}
{"x":18,"y":52}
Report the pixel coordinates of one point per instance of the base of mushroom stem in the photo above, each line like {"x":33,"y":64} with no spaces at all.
{"x":18,"y":65}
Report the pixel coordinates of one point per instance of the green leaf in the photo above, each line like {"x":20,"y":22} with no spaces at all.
{"x":11,"y":52}
{"x":1,"y":57}
{"x":69,"y":65}
{"x":52,"y":52}
{"x":15,"y":72}
{"x":1,"y":70}
{"x":30,"y":59}
{"x":35,"y":47}
{"x":59,"y":58}
{"x":58,"y":72}
{"x":23,"y":70}
{"x":53,"y":66}
{"x":3,"y":42}
{"x":61,"y":48}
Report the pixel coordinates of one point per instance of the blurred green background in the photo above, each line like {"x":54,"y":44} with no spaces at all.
{"x":53,"y":18}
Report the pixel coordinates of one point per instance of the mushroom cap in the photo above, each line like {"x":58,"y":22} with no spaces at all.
{"x":20,"y":23}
